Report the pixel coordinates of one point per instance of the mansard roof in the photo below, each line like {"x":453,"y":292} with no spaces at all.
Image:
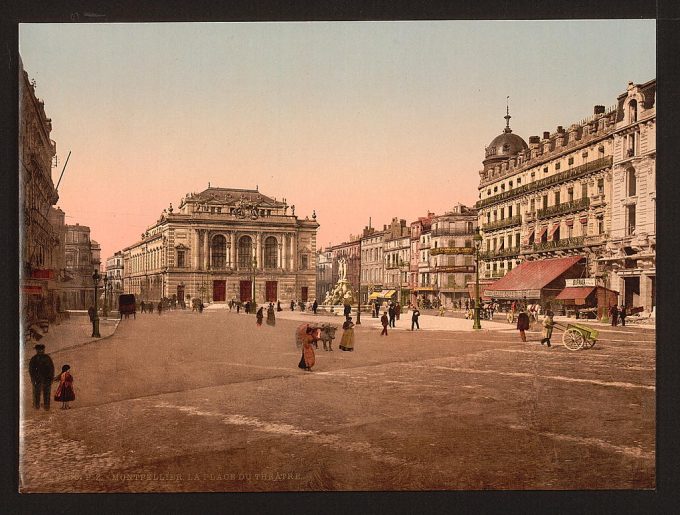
{"x":231,"y":196}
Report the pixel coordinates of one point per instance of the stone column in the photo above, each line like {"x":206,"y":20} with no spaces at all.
{"x":279,"y":262}
{"x":258,"y":250}
{"x":206,"y":263}
{"x":195,"y":263}
{"x":232,"y":251}
{"x":284,"y":251}
{"x":293,"y":251}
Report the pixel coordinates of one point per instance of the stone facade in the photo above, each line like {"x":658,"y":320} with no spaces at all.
{"x":452,"y":256}
{"x":419,"y":280}
{"x":372,"y":262}
{"x":221,"y":244}
{"x":114,"y":275}
{"x":549,"y":199}
{"x":40,"y":245}
{"x":630,"y":258}
{"x":397,"y":252}
{"x":82,"y":259}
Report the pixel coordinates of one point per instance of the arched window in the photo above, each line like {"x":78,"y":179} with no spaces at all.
{"x":219,"y":252}
{"x":245,"y":252}
{"x":270,"y":252}
{"x":632,"y":182}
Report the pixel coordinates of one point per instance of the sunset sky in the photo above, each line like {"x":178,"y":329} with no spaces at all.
{"x":351,"y":119}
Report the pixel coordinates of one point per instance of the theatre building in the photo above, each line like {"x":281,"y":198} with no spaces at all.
{"x":223,"y":244}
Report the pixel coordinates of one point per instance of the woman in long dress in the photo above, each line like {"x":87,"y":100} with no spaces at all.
{"x":307,"y":360}
{"x":347,"y":341}
{"x":271,"y":316}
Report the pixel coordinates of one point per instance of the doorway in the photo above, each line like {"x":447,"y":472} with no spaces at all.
{"x":271,"y":291}
{"x":246,"y":290}
{"x":632,"y":292}
{"x":219,"y":291}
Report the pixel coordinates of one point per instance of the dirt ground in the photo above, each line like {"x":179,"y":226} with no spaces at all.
{"x":211,"y":402}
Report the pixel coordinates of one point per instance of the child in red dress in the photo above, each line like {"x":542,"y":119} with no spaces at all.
{"x":65,"y":392}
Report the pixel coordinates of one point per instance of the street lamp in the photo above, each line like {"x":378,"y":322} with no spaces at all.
{"x":105,"y":308}
{"x":253,"y":294}
{"x":95,"y":319}
{"x":359,"y":294}
{"x":478,"y":243}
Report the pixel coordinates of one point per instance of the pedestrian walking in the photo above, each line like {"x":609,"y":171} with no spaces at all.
{"x":278,"y":305}
{"x":142,"y":306}
{"x":231,"y":304}
{"x":271,"y":316}
{"x":347,"y":340}
{"x":65,"y":392}
{"x":397,"y":310}
{"x":614,"y":315}
{"x":308,"y":340}
{"x":392,"y":314}
{"x":315,"y":306}
{"x":622,"y":315}
{"x":548,"y":325}
{"x":259,"y":315}
{"x":384,"y":321}
{"x":247,"y":307}
{"x":302,"y":305}
{"x":238,"y":307}
{"x":292,"y":305}
{"x":41,"y":370}
{"x":523,"y":324}
{"x":414,"y":319}
{"x":200,"y":306}
{"x":376,"y":309}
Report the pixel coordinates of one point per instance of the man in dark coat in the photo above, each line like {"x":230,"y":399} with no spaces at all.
{"x":292,"y":305}
{"x":347,"y":310}
{"x":397,"y":310}
{"x":523,"y":324}
{"x":384,"y":322}
{"x":614,"y":315}
{"x":392,"y":314}
{"x":315,"y":306}
{"x":622,"y":315}
{"x":414,"y":319}
{"x":41,"y":370}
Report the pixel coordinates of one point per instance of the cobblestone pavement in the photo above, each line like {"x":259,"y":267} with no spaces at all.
{"x":211,"y":402}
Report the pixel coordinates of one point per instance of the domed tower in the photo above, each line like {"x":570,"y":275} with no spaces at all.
{"x":503,"y":146}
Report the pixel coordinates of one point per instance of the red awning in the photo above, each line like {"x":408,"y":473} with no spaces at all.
{"x":533,"y":275}
{"x":577,"y":294}
{"x":553,"y":230}
{"x":570,"y":223}
{"x":584,"y":220}
{"x":540,"y":234}
{"x":527,"y":236}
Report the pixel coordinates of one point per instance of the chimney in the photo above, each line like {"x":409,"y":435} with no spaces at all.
{"x":546,"y":135}
{"x":560,"y":129}
{"x":534,"y":140}
{"x":598,"y":110}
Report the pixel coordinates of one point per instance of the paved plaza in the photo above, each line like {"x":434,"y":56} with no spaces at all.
{"x":211,"y":402}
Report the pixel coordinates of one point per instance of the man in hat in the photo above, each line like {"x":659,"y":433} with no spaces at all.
{"x":41,"y":370}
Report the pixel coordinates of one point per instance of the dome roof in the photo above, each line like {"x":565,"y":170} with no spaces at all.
{"x":505,"y":144}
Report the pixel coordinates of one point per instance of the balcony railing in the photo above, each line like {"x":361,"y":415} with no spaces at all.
{"x":451,"y":232}
{"x":571,"y":174}
{"x":512,"y":251}
{"x":564,"y":208}
{"x":501,"y":224}
{"x":559,"y":244}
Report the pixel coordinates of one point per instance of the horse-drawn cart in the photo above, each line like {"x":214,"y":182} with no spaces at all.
{"x":577,"y":336}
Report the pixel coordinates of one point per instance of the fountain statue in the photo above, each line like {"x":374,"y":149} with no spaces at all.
{"x":342,"y":293}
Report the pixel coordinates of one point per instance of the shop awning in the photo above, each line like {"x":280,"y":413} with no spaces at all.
{"x":530,"y":277}
{"x":527,"y":236}
{"x":540,"y":233}
{"x":577,"y":294}
{"x":383,"y":294}
{"x":424,"y":288}
{"x":570,"y":222}
{"x":374,"y":295}
{"x":553,"y":230}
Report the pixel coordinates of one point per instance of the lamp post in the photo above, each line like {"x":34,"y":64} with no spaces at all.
{"x":105,"y":308}
{"x":253,"y":294}
{"x":359,"y":295}
{"x":95,"y":319}
{"x":478,"y":243}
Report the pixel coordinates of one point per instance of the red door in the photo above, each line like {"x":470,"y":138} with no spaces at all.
{"x":246,"y":288}
{"x":219,"y":291}
{"x":304,"y":294}
{"x":270,"y":288}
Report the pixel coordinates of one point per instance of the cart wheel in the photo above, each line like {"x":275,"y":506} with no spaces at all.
{"x":572,"y":339}
{"x":588,"y":343}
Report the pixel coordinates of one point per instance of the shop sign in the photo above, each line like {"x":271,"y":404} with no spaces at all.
{"x":583,"y":281}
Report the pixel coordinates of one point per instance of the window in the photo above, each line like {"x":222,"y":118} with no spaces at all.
{"x":545,"y":169}
{"x":557,"y":165}
{"x":632,"y":111}
{"x":600,"y":186}
{"x":181,"y":257}
{"x":502,"y":213}
{"x":519,"y":181}
{"x":570,"y":194}
{"x":533,"y":175}
{"x":219,"y":252}
{"x":584,"y":190}
{"x":270,"y":252}
{"x":571,"y":161}
{"x":632,"y":182}
{"x":545,"y":201}
{"x":509,"y":211}
{"x":557,"y":198}
{"x":517,"y":240}
{"x":509,"y":265}
{"x":510,"y":184}
{"x":245,"y":252}
{"x":532,"y":205}
{"x":304,"y":264}
{"x":495,"y":189}
{"x":630,"y":220}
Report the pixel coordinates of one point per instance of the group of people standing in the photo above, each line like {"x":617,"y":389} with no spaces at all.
{"x":271,"y":315}
{"x":616,"y":314}
{"x":524,"y":324}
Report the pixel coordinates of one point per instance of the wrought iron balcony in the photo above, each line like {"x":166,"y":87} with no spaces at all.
{"x":559,"y":244}
{"x":451,"y":232}
{"x":502,"y":224}
{"x":511,"y":251}
{"x":564,"y":208}
{"x":567,"y":175}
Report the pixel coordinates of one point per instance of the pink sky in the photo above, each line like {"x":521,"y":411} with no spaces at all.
{"x":353,"y":120}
